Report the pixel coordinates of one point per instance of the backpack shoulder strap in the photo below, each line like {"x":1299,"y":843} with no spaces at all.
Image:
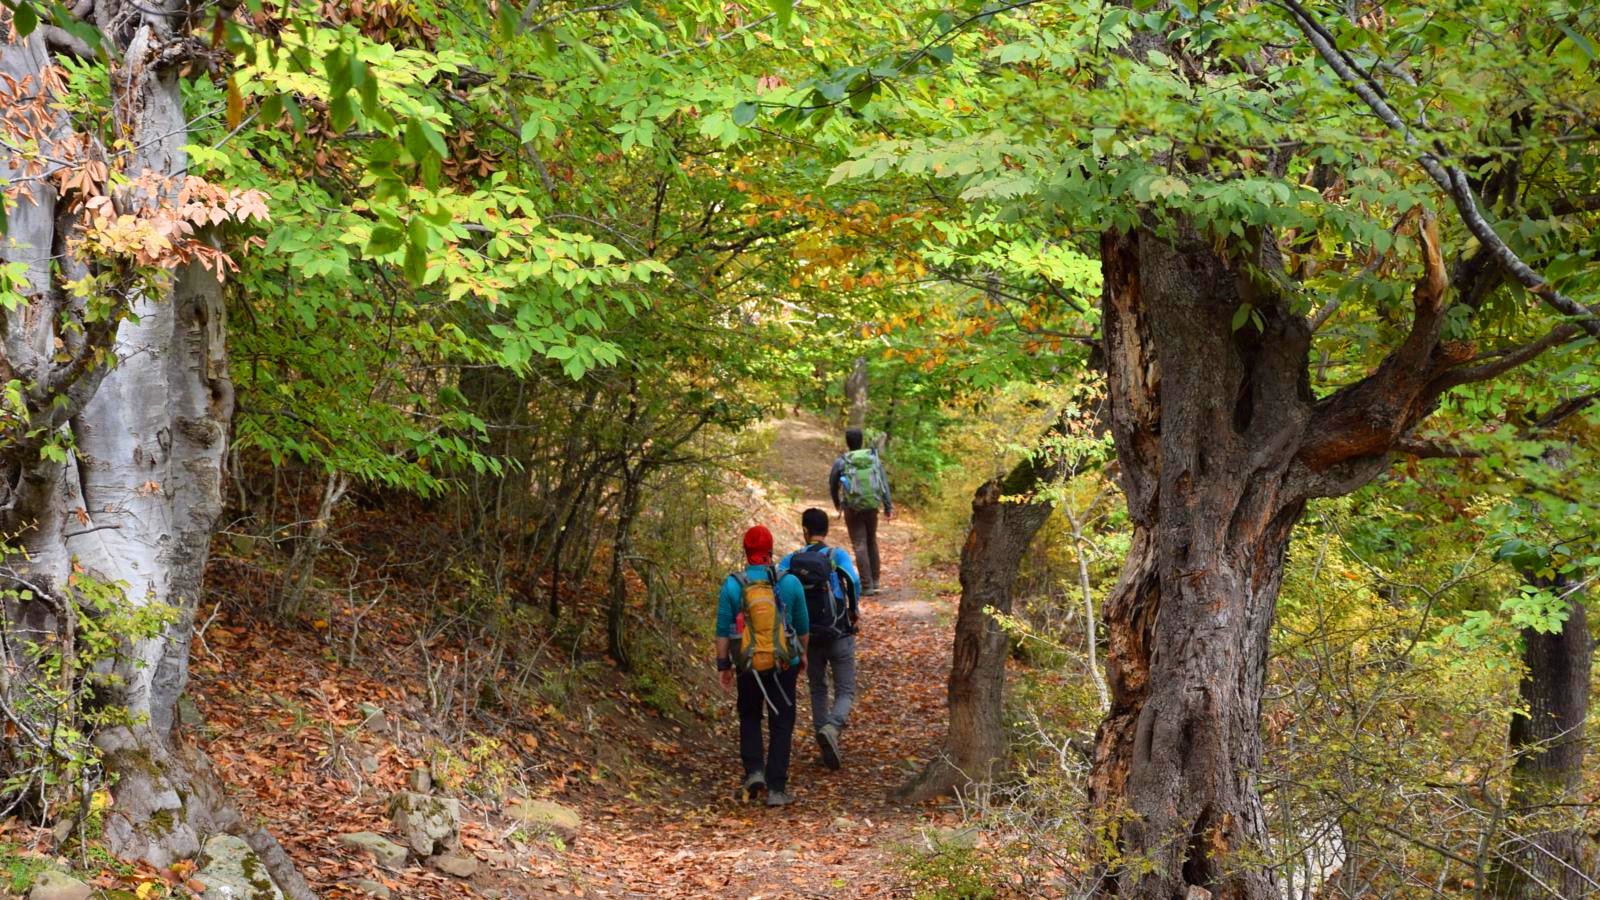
{"x":777,"y":595}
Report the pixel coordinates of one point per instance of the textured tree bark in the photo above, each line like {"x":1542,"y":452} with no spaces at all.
{"x":1004,"y":522}
{"x":137,"y":500}
{"x":301,"y":569}
{"x":1220,"y":445}
{"x":1205,"y":443}
{"x":1547,"y":777}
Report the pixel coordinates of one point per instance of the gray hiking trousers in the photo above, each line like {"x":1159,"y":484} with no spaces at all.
{"x":838,"y":654}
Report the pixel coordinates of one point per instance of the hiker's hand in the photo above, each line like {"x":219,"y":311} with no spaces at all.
{"x":726,"y":677}
{"x":802,"y":669}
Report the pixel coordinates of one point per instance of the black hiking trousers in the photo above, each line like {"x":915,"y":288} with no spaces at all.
{"x":754,"y":697}
{"x":863,"y":527}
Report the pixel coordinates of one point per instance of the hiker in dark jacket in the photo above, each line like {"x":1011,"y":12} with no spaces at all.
{"x":859,"y":487}
{"x":762,"y":632}
{"x":832,"y":588}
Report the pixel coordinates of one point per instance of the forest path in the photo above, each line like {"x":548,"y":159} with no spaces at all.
{"x":841,"y":837}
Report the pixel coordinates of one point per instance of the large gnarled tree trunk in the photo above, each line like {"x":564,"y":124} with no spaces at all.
{"x":141,"y":405}
{"x":1220,"y":445}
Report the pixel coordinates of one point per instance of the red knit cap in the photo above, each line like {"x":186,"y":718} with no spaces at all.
{"x":758,"y":545}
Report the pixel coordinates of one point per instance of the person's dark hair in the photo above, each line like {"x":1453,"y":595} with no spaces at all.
{"x":852,"y":438}
{"x":815,"y":522}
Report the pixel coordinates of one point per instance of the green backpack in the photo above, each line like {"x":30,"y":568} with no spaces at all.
{"x":860,"y":480}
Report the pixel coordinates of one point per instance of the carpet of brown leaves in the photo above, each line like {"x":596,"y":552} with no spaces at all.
{"x":283,"y":722}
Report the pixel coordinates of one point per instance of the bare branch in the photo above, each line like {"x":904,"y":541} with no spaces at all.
{"x":1507,"y":360}
{"x":1426,"y":449}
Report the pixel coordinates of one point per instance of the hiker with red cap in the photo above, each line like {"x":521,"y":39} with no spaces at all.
{"x":762,"y":632}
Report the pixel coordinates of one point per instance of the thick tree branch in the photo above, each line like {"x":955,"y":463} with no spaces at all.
{"x":1566,"y":410}
{"x":1368,"y":417}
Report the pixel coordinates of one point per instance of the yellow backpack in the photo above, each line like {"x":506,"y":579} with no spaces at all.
{"x":766,"y":641}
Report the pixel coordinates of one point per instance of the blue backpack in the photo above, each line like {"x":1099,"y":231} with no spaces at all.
{"x":816,"y":570}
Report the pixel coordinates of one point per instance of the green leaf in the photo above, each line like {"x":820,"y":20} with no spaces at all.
{"x":1583,"y":42}
{"x":744,"y":113}
{"x":417,"y":143}
{"x":784,"y":10}
{"x":384,"y":240}
{"x":24,"y":18}
{"x":434,"y":139}
{"x":415,"y":266}
{"x":342,"y":113}
{"x":1241,"y":315}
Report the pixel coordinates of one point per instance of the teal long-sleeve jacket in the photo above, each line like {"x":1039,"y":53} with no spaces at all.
{"x":790,"y":594}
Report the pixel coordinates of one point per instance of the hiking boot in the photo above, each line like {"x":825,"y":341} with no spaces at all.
{"x":779,"y":798}
{"x":754,"y":784}
{"x":828,"y":743}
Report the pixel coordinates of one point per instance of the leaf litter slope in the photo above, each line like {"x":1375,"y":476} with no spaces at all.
{"x":283,"y":720}
{"x":841,"y":836}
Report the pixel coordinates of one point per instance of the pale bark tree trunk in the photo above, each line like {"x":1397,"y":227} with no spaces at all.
{"x":1005,"y":519}
{"x":301,"y":570}
{"x":136,"y":502}
{"x":1091,"y":637}
{"x":855,"y":392}
{"x":1549,"y":860}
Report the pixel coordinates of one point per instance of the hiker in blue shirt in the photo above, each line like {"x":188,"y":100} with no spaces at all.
{"x":859,"y":487}
{"x":762,"y":632}
{"x":832,"y":589}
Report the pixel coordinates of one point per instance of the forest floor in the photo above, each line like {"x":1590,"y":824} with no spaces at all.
{"x":286,"y":713}
{"x":842,"y":838}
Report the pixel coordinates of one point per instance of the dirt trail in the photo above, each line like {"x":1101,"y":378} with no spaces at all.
{"x":840,"y":838}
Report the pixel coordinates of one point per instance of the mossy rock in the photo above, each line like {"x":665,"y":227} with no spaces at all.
{"x":545,"y":815}
{"x":387,"y":853}
{"x":429,"y":824}
{"x":51,"y":884}
{"x":230,"y":869}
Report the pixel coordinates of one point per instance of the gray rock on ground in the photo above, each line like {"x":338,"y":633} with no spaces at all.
{"x":374,"y":888}
{"x":230,"y":870}
{"x":53,"y":885}
{"x":545,"y":815}
{"x":964,"y":838}
{"x":421,"y":780}
{"x":430,"y":825}
{"x":388,"y":854}
{"x":458,"y":864}
{"x":373,"y":717}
